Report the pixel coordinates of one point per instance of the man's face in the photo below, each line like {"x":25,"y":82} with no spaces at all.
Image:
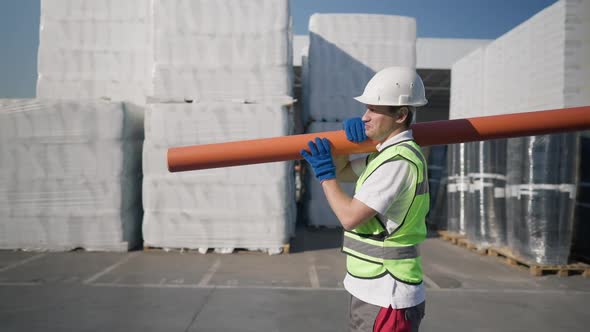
{"x":380,"y":122}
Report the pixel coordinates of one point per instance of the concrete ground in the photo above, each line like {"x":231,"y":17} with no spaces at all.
{"x":247,"y":291}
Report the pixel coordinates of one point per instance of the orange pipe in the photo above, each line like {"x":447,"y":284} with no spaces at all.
{"x":265,"y":150}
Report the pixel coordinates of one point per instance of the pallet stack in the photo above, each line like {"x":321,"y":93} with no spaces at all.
{"x":70,"y":173}
{"x":541,"y":64}
{"x":71,"y":159}
{"x":94,"y":49}
{"x":345,"y":51}
{"x":221,"y":72}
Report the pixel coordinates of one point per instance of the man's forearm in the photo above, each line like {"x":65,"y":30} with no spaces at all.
{"x":349,"y":211}
{"x":344,"y":170}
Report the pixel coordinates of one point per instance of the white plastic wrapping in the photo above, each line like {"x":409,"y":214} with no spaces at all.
{"x":224,"y":82}
{"x":95,"y":49}
{"x":457,"y":187}
{"x":223,"y":17}
{"x":209,"y":33}
{"x":70,"y":173}
{"x":222,"y":50}
{"x":345,"y":51}
{"x":541,"y":196}
{"x":208,"y":208}
{"x":174,"y":124}
{"x":485,"y":207}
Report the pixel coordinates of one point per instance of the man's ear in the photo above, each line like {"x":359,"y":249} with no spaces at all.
{"x":402,"y":114}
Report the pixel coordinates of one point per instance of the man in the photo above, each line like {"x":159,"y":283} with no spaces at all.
{"x":385,"y":220}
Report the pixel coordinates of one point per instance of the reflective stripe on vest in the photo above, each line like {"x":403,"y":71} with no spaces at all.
{"x":380,"y":251}
{"x":372,"y":251}
{"x":422,"y":187}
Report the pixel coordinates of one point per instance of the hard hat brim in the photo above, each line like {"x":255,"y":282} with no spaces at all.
{"x":368,"y":101}
{"x":362,"y":99}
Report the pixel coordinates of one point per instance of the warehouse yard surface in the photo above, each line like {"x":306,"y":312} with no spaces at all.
{"x":248,"y":291}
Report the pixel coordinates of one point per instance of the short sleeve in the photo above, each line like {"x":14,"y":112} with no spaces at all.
{"x":386,"y":185}
{"x":359,"y":164}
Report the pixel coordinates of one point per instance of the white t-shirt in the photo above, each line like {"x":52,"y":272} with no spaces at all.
{"x":383,"y":192}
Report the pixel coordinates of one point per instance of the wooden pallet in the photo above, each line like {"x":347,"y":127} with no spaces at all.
{"x":536,"y":269}
{"x":472,"y":246}
{"x":451,"y":236}
{"x":286,"y":248}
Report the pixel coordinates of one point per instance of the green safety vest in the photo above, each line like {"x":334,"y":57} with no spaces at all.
{"x":371,"y":250}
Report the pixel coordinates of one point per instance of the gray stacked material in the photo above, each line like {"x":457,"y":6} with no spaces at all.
{"x":437,"y":177}
{"x":581,"y":233}
{"x":345,"y":51}
{"x":541,"y":64}
{"x":232,"y":59}
{"x":457,"y":187}
{"x":70,"y":173}
{"x":438,"y":215}
{"x":541,"y":196}
{"x":95,"y":49}
{"x":486,"y":203}
{"x":222,"y":50}
{"x":316,"y":207}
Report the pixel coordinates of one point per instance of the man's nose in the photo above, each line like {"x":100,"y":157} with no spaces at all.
{"x":365,"y":117}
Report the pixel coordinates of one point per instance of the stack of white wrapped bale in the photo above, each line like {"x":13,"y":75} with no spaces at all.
{"x":345,"y":51}
{"x":232,"y":59}
{"x":553,"y":72}
{"x":541,"y":64}
{"x":70,"y":175}
{"x":225,"y":50}
{"x":94,"y":49}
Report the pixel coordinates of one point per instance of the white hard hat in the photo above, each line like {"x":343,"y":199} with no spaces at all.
{"x":394,"y":86}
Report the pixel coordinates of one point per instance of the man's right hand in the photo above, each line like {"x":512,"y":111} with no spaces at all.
{"x":355,"y":130}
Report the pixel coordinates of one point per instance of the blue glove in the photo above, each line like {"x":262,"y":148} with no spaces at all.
{"x":320,"y":159}
{"x":355,"y":130}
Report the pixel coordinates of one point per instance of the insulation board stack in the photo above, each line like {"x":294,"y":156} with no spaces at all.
{"x":212,"y":50}
{"x":70,"y":175}
{"x":94,"y":49}
{"x":232,"y":60}
{"x":345,"y":51}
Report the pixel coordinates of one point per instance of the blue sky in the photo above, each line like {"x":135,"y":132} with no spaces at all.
{"x":486,"y":19}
